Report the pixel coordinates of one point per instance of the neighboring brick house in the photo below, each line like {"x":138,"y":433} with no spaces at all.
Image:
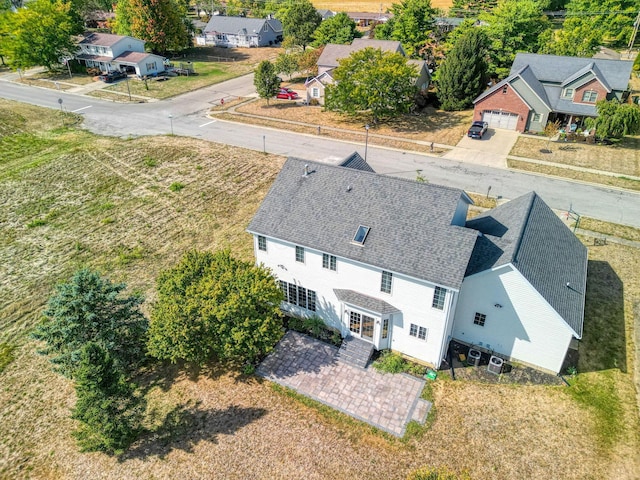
{"x":332,"y":54}
{"x":226,"y":31}
{"x":543,"y":88}
{"x":109,"y":52}
{"x":395,"y":263}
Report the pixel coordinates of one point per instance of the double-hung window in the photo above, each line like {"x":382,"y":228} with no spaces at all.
{"x":439,"y":295}
{"x":300,"y":254}
{"x":386,"y":281}
{"x":262,"y":243}
{"x":590,"y":96}
{"x":328,"y":261}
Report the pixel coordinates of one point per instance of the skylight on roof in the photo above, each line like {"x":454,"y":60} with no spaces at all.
{"x":361,"y":235}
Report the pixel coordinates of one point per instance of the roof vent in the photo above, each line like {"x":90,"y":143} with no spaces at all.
{"x":348,"y":188}
{"x":306,"y":170}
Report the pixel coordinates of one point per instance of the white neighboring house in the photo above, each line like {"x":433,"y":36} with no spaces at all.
{"x":226,"y":31}
{"x":393,"y":262}
{"x":116,"y":52}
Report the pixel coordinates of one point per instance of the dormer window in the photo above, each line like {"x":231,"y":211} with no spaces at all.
{"x":590,"y":96}
{"x":568,"y":93}
{"x":361,"y":235}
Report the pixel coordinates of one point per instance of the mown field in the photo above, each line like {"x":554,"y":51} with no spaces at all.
{"x":70,"y":198}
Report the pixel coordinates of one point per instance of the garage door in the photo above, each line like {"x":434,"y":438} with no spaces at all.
{"x":498,"y":119}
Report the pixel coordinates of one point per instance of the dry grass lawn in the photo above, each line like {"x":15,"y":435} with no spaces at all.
{"x":555,"y":171}
{"x":623,"y":158}
{"x":429,"y":126}
{"x":70,"y":198}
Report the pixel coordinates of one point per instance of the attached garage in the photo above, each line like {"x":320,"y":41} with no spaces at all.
{"x":500,"y":119}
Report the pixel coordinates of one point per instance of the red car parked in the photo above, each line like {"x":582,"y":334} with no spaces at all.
{"x":287,"y":94}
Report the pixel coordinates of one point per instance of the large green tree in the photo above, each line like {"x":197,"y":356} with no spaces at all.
{"x":590,"y":23}
{"x":92,"y":309}
{"x":372,"y":81}
{"x":464,"y":73}
{"x":41,"y":33}
{"x":411,"y":24}
{"x":616,"y":120}
{"x":265,"y":80}
{"x":160,"y":23}
{"x":513,"y":26}
{"x":299,"y":20}
{"x":339,"y":29}
{"x":107,"y":407}
{"x":287,"y":63}
{"x":213,"y":306}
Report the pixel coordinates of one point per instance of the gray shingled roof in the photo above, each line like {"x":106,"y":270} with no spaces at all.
{"x":332,"y":53}
{"x":101,"y":39}
{"x":526,"y":74}
{"x":410,"y":222}
{"x":356,"y":161}
{"x":233,"y":25}
{"x":526,"y":233}
{"x":365,"y":301}
{"x":556,"y":69}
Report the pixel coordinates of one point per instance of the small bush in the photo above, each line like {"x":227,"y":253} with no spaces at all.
{"x":176,"y":186}
{"x":314,"y":326}
{"x":314,"y":102}
{"x":390,"y":362}
{"x":150,"y":162}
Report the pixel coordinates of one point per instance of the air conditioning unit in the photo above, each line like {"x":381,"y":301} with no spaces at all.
{"x":495,"y":365}
{"x":473,"y":358}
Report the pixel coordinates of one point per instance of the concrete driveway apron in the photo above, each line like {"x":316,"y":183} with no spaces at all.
{"x":491,"y":151}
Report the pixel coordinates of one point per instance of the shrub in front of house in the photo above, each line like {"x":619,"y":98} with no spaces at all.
{"x":314,"y":327}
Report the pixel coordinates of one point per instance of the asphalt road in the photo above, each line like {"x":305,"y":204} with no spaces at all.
{"x":186,"y":115}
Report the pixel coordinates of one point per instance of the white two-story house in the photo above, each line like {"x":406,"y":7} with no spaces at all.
{"x":117,"y":52}
{"x":377,"y":257}
{"x":394,"y":262}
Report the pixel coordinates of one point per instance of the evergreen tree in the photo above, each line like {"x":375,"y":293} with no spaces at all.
{"x":265,"y":80}
{"x":91,"y":309}
{"x":464,"y":73}
{"x":109,"y":411}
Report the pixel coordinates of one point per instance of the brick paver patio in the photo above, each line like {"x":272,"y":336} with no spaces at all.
{"x":309,"y":367}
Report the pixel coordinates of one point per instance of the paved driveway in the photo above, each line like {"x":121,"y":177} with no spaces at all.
{"x":309,"y":366}
{"x":491,"y":151}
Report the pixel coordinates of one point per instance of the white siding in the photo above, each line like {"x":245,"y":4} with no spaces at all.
{"x":520,"y":324}
{"x":127,"y":44}
{"x":413,"y":298}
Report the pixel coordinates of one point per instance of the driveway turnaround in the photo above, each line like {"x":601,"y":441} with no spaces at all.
{"x":308,"y":366}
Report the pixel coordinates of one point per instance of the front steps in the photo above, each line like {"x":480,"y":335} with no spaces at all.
{"x":355,"y":351}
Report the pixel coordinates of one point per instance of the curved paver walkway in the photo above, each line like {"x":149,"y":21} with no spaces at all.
{"x":309,"y":366}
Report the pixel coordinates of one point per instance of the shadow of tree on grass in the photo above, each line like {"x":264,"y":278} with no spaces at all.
{"x":187,"y":425}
